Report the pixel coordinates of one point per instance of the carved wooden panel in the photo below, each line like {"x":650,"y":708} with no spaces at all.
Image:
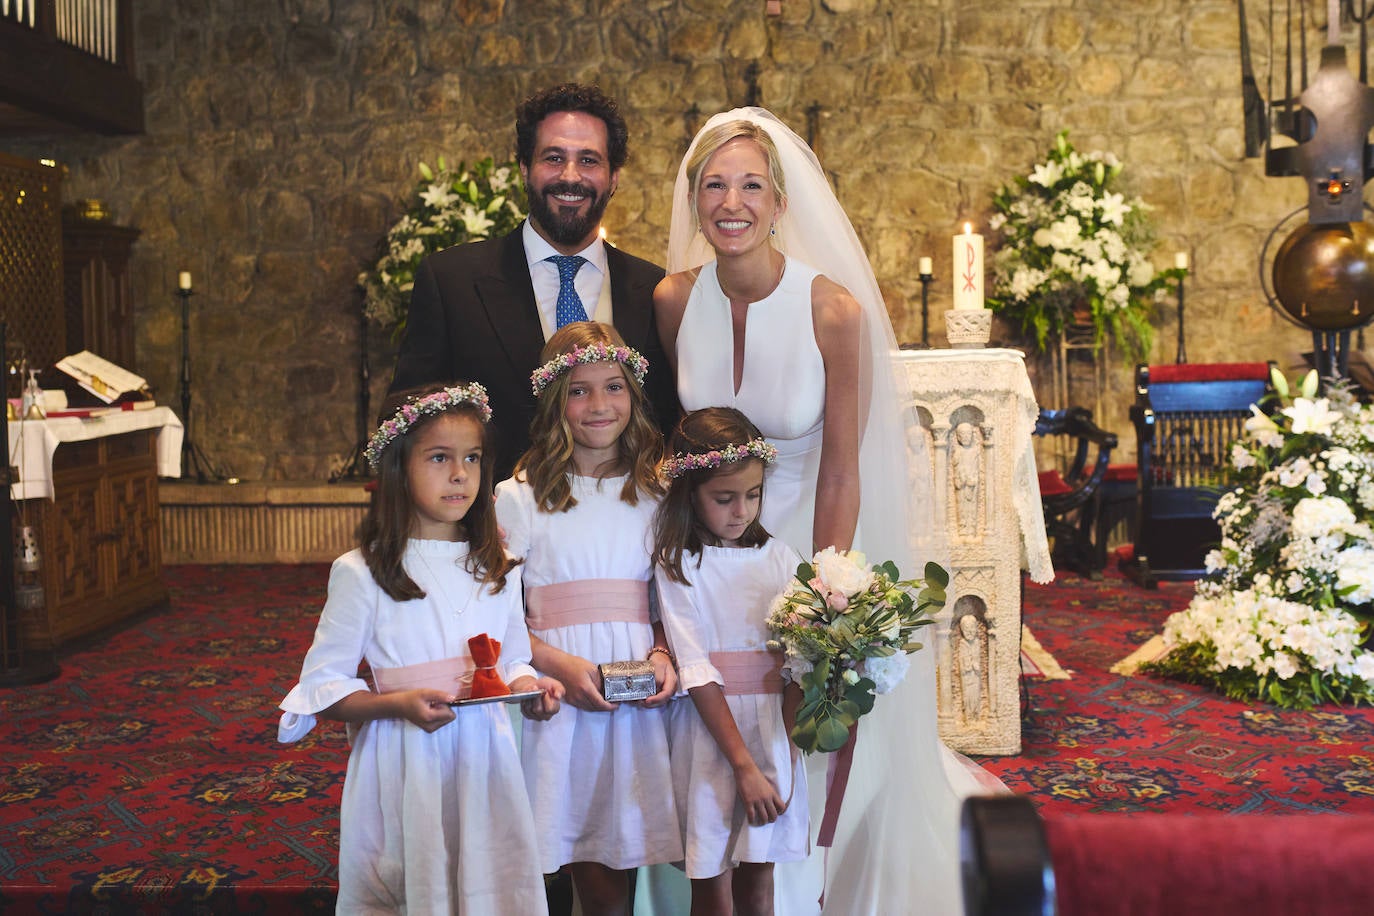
{"x":100,"y":537}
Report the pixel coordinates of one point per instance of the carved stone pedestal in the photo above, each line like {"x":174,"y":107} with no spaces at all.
{"x":979,"y":410}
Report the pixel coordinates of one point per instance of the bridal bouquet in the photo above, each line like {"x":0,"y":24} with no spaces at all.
{"x":847,"y":628}
{"x":1288,"y":617}
{"x":1074,"y":249}
{"x":451,"y":206}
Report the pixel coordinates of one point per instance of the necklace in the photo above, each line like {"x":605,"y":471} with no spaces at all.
{"x":439,"y":583}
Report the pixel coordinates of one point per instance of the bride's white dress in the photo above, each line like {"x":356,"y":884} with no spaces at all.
{"x":895,"y":849}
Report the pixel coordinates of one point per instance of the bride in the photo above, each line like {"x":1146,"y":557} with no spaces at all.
{"x":771,"y":306}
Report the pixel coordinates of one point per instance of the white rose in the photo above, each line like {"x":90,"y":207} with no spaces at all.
{"x":846,"y":573}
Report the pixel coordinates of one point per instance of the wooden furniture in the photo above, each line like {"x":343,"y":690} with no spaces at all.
{"x":1186,"y":416}
{"x":99,"y":538}
{"x":1070,"y":497}
{"x":88,"y":489}
{"x":95,"y":286}
{"x":65,"y":65}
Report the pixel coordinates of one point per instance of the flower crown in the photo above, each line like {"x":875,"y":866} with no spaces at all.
{"x":631,"y":359}
{"x":413,"y":411}
{"x":680,"y":464}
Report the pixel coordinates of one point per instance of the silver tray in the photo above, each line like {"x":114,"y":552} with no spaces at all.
{"x":508,"y":698}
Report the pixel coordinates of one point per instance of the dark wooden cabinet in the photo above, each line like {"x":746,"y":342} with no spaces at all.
{"x":99,"y":538}
{"x":95,"y":283}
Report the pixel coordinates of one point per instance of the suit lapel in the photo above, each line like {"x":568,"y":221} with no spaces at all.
{"x":507,"y":295}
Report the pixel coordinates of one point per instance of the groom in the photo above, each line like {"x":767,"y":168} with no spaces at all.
{"x":482,"y":311}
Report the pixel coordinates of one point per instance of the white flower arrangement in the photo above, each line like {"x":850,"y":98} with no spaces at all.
{"x":1287,"y":617}
{"x":1069,"y":245}
{"x":451,"y":206}
{"x":846,"y":628}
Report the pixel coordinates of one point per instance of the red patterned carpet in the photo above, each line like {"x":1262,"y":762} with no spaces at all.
{"x":147,"y":778}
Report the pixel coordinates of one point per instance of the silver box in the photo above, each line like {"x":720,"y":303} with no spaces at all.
{"x":624,"y":681}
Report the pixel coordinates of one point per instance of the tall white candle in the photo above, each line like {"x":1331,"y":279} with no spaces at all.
{"x":968,"y":269}
{"x":184,"y":280}
{"x":1181,"y":260}
{"x":926,"y":267}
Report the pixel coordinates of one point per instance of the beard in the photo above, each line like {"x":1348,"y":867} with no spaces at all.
{"x":568,"y":228}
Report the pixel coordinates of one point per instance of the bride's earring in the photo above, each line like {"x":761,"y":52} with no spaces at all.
{"x":773,"y":229}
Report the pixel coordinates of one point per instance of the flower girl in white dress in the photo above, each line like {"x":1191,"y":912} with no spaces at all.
{"x":740,"y":783}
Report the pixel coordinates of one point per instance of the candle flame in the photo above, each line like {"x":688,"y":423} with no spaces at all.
{"x":968,"y":228}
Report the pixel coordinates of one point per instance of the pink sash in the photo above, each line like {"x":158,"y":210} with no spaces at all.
{"x":750,"y":671}
{"x":451,"y":675}
{"x":587,"y":601}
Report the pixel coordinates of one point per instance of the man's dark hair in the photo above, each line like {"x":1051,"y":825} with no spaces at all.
{"x":570,"y":97}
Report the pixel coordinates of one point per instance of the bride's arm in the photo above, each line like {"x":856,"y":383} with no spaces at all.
{"x":837,"y":319}
{"x":670,"y":301}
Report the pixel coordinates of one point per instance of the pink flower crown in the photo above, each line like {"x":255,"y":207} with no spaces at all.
{"x":628,"y":357}
{"x":680,"y":464}
{"x":411,"y":412}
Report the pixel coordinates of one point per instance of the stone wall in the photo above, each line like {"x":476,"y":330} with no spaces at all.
{"x":282,"y":139}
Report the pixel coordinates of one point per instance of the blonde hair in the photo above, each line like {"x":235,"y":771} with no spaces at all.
{"x":710,"y":141}
{"x":548,"y":461}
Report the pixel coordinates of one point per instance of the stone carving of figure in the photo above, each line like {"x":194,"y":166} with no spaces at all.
{"x":969,"y":652}
{"x":968,"y":476}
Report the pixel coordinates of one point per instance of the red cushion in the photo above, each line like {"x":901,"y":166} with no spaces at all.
{"x":1208,"y":372}
{"x":1232,"y":865}
{"x":1052,"y":484}
{"x":1120,"y":472}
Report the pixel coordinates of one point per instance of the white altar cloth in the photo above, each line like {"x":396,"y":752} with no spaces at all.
{"x":33,"y":442}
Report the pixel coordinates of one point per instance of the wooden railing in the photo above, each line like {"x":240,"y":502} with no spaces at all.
{"x":72,"y":60}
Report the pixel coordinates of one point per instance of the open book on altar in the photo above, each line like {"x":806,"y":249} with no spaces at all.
{"x":101,"y":377}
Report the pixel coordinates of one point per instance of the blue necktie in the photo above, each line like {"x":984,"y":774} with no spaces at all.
{"x":569,"y":307}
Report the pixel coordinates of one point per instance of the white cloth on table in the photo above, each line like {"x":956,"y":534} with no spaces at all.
{"x":724,"y":608}
{"x":33,"y":442}
{"x":430,"y":822}
{"x":599,"y":782}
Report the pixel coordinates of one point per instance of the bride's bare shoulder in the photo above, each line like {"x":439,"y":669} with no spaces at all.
{"x":832,"y":305}
{"x":674,"y":289}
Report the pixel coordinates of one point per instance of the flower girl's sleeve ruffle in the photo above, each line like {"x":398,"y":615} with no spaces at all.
{"x":305,"y":700}
{"x":699,"y":675}
{"x":684,"y":625}
{"x":330,"y":670}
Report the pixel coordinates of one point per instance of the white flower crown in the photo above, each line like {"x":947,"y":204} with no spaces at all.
{"x":681,"y":463}
{"x":628,"y":357}
{"x":411,"y":412}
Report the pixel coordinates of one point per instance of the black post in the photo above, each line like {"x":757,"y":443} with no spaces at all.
{"x":355,"y":468}
{"x":1182,"y":356}
{"x":194,"y":462}
{"x":926,"y":279}
{"x":187,"y":450}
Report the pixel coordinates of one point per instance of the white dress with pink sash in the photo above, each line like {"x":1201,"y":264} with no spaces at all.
{"x":429,"y":822}
{"x":720,"y":616}
{"x":599,"y":782}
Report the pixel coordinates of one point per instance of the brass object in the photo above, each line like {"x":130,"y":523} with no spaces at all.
{"x":1322,"y":272}
{"x":34,"y":413}
{"x":92,"y":210}
{"x":10,"y":413}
